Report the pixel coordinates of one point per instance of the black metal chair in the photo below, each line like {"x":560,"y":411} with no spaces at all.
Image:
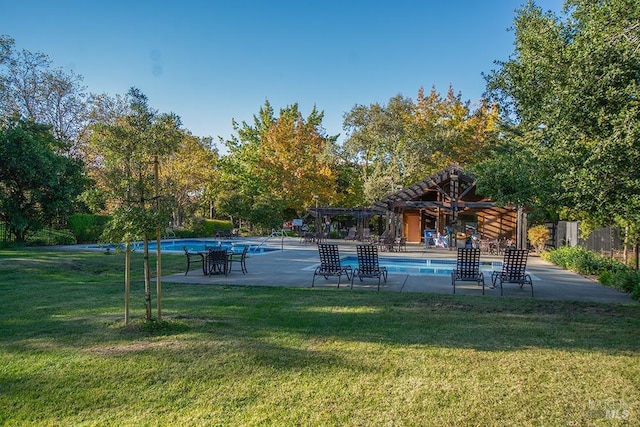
{"x":217,"y":262}
{"x":193,"y":257}
{"x":467,"y":268}
{"x":514,"y":266}
{"x":330,"y":263}
{"x":368,"y":265}
{"x":240,"y":259}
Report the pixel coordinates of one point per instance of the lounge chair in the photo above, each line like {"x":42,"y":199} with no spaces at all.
{"x":366,"y":235}
{"x":514,"y":266}
{"x":467,"y":268}
{"x":193,"y":257}
{"x":351,"y":235}
{"x":217,"y":261}
{"x":330,"y":263}
{"x":368,"y":265}
{"x":240,"y":259}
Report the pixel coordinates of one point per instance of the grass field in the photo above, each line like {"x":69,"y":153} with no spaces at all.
{"x":234,"y":356}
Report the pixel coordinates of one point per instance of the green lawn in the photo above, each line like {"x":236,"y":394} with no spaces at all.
{"x":274,"y":356}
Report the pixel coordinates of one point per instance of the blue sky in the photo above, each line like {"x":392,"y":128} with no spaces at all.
{"x":214,"y":61}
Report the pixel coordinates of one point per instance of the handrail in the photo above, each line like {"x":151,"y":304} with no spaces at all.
{"x":274,"y":233}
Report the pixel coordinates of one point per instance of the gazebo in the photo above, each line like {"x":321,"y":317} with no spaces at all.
{"x":447,"y":201}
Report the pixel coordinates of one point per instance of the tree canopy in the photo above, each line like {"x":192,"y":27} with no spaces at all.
{"x":278,"y":161}
{"x":569,"y":101}
{"x":403,"y":141}
{"x":31,"y":88}
{"x":37,"y":185}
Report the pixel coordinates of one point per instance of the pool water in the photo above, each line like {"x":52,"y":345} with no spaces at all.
{"x":422,"y":266}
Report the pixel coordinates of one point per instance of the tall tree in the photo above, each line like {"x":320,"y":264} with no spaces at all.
{"x":31,"y":88}
{"x":295,"y":159}
{"x":187,"y":173}
{"x":569,"y":96}
{"x":37,"y":186}
{"x":279,"y":161}
{"x":130,"y":150}
{"x":403,"y":141}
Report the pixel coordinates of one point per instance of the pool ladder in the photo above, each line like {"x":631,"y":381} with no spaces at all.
{"x":274,"y":233}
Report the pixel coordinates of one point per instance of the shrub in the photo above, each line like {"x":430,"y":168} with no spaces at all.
{"x":50,"y":236}
{"x":87,"y":228}
{"x":212,"y":226}
{"x":576,"y":259}
{"x":200,"y":227}
{"x":627,"y":281}
{"x":538,"y":237}
{"x":610,"y":272}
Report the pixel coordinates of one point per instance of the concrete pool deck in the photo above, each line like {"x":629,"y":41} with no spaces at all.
{"x":293,"y":267}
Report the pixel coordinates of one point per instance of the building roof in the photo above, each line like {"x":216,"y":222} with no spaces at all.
{"x":358,"y":212}
{"x":440,"y":182}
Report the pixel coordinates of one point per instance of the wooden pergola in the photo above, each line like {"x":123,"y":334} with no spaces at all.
{"x":444,"y":200}
{"x":361,"y":214}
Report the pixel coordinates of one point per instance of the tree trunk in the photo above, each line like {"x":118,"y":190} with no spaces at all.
{"x":127,"y":281}
{"x":147,"y":280}
{"x":159,"y":276}
{"x":625,"y":246}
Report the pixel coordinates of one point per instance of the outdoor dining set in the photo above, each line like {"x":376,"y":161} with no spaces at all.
{"x":217,"y":260}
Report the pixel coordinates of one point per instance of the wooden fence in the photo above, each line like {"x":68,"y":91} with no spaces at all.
{"x":608,"y":241}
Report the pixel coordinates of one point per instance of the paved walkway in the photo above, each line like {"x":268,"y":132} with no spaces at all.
{"x":293,"y":265}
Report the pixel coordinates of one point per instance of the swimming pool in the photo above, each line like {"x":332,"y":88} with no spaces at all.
{"x":422,"y":266}
{"x":196,"y":245}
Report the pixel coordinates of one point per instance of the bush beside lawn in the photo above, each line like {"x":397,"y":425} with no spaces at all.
{"x":610,"y":272}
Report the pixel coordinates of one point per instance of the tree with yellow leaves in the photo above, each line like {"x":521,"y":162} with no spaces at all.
{"x":276,"y":166}
{"x":187,"y":173}
{"x":404,"y":141}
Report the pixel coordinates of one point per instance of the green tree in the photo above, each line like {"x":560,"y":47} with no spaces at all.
{"x":129,"y":151}
{"x":37,"y":185}
{"x":569,"y":97}
{"x":376,"y":137}
{"x":32,"y":88}
{"x":186,"y":173}
{"x":279,"y":160}
{"x":403,"y":141}
{"x":296,"y":159}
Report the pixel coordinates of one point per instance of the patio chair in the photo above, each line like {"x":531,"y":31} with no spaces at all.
{"x":504,"y":245}
{"x":514,"y":266}
{"x":217,"y":261}
{"x":467,"y":268}
{"x":239,"y":259}
{"x":330,"y":263}
{"x":387,"y":244}
{"x":351,"y":235}
{"x":193,"y":257}
{"x":366,"y":235}
{"x":487,"y":246}
{"x":368,"y":265}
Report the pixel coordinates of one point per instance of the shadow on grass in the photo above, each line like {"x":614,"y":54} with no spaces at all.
{"x":45,"y":298}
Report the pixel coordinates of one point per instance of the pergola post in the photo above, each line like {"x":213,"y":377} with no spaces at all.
{"x":521,"y":229}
